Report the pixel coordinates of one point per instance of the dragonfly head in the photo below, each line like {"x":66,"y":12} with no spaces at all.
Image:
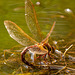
{"x":46,"y":47}
{"x":50,"y":48}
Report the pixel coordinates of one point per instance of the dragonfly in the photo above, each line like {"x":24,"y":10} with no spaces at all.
{"x":24,"y":39}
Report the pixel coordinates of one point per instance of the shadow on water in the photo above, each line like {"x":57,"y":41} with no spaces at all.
{"x":62,"y":37}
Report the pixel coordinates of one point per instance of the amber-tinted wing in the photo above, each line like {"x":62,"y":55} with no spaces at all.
{"x":18,"y":34}
{"x":48,"y":35}
{"x":31,"y":20}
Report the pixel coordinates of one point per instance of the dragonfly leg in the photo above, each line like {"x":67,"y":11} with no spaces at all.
{"x":50,"y":50}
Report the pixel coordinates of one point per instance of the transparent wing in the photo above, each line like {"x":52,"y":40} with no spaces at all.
{"x":18,"y":34}
{"x":48,"y":35}
{"x":31,"y":20}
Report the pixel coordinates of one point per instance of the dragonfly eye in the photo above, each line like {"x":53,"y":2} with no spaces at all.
{"x":46,"y":46}
{"x":49,"y":48}
{"x":52,"y":49}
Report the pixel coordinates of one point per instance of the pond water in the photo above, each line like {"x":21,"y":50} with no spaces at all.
{"x":61,"y":11}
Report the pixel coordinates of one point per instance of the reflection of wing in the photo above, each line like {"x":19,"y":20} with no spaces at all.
{"x":18,"y":34}
{"x":31,"y":20}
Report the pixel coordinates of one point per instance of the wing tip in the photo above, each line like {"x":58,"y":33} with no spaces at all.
{"x":5,"y":22}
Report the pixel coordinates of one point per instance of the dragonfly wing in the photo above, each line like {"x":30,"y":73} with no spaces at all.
{"x":18,"y":34}
{"x":48,"y":35}
{"x":37,"y":50}
{"x":31,"y":20}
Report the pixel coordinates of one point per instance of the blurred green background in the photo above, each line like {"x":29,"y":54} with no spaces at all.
{"x":47,"y":12}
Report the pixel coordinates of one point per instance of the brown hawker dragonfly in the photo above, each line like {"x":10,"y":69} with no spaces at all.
{"x":22,"y":38}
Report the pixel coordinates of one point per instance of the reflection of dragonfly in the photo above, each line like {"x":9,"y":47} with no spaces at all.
{"x":21,"y":37}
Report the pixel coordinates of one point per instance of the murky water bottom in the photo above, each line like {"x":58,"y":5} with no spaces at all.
{"x":11,"y":60}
